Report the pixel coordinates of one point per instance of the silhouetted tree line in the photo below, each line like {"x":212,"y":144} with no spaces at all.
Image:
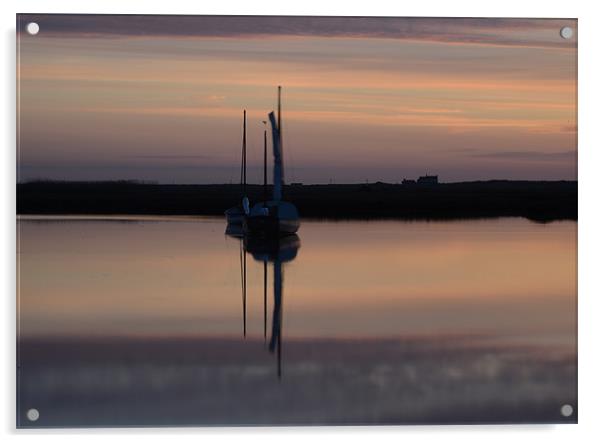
{"x":543,"y":201}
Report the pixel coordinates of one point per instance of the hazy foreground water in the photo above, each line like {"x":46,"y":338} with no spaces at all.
{"x":142,"y":321}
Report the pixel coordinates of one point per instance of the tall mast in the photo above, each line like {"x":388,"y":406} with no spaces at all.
{"x":244,"y":151}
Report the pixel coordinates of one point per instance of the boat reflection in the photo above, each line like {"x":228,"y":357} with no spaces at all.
{"x":276,"y":250}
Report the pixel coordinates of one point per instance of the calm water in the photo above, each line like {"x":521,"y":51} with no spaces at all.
{"x":140,"y":321}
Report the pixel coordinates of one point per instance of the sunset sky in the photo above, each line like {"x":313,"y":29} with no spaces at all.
{"x":160,"y":98}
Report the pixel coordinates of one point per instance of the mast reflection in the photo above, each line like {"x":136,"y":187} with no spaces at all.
{"x":275,"y":250}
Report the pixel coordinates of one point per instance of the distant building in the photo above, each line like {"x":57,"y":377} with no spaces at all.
{"x":407,"y":181}
{"x":428,"y":180}
{"x":296,"y":184}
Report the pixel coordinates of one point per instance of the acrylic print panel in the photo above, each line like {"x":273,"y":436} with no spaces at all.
{"x":296,"y":221}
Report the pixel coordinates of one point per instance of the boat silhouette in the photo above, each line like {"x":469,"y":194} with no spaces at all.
{"x":273,"y":217}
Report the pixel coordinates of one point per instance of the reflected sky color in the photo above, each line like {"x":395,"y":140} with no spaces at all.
{"x":509,"y":278}
{"x":161,"y":98}
{"x":131,"y":321}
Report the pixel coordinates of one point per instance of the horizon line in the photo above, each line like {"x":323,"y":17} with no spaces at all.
{"x":300,"y":183}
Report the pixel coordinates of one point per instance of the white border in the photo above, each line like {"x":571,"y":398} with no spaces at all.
{"x":590,"y":290}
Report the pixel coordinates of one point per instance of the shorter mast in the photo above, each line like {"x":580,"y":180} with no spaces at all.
{"x":265,"y":164}
{"x":280,"y":116}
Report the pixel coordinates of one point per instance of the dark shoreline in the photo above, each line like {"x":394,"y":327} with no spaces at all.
{"x":536,"y":200}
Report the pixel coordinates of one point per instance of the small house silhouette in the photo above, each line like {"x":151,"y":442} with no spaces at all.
{"x":428,"y":180}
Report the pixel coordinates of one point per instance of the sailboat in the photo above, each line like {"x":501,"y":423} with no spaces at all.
{"x":274,"y":217}
{"x":236,"y":214}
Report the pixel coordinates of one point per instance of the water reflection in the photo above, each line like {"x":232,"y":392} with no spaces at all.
{"x":276,"y":250}
{"x":376,"y":322}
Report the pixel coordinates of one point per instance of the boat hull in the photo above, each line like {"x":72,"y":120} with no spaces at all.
{"x":235,"y":216}
{"x":282,"y":248}
{"x":270,"y":225}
